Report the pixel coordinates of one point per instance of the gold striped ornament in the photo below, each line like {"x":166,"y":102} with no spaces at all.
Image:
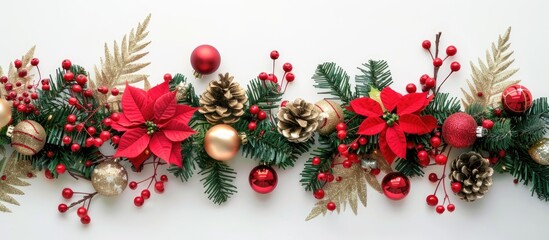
{"x":28,"y":137}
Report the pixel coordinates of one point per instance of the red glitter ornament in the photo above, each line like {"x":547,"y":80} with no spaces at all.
{"x":459,"y":130}
{"x":395,"y":186}
{"x":263,"y":179}
{"x":516,"y":99}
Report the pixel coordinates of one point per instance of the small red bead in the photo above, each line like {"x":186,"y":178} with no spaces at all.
{"x":115,"y":91}
{"x":319,"y":194}
{"x":432,"y":200}
{"x":290,"y":77}
{"x":66,"y":64}
{"x":271,"y":77}
{"x":433,"y":177}
{"x":115,"y":117}
{"x":85,"y":220}
{"x":321,"y":177}
{"x":81,"y":79}
{"x":29,"y":175}
{"x":341,"y":126}
{"x":426,"y":44}
{"x":66,"y":140}
{"x":81,"y":212}
{"x":502,"y":153}
{"x":347,"y":164}
{"x":105,"y":135}
{"x":88,"y":93}
{"x":75,"y":147}
{"x":440,"y":209}
{"x":98,"y":142}
{"x":422,"y":155}
{"x":88,"y":163}
{"x":287,"y":67}
{"x":353,"y":157}
{"x":35,"y":61}
{"x":430,"y":83}
{"x":498,"y":112}
{"x":341,"y":134}
{"x":342,"y":148}
{"x":493,"y":160}
{"x":60,"y":168}
{"x":411,"y":88}
{"x":283,"y":103}
{"x":167,"y":77}
{"x":354,"y":146}
{"x":254,"y":109}
{"x":62,"y":208}
{"x":252,"y":126}
{"x":91,"y":130}
{"x":69,"y":127}
{"x":164,"y":178}
{"x":487,"y":123}
{"x":132,"y":185}
{"x":441,"y":159}
{"x":73,"y":100}
{"x":331,"y":206}
{"x":89,"y":142}
{"x":423,"y":78}
{"x":145,"y":194}
{"x":261,"y":115}
{"x":451,"y":50}
{"x":50,"y":154}
{"x":22,"y":73}
{"x":138,"y":201}
{"x":515,"y":181}
{"x":17,"y":63}
{"x":3,"y":79}
{"x":115,"y":139}
{"x":480,"y":94}
{"x":455,"y":66}
{"x":362,"y":141}
{"x":435,"y":142}
{"x":315,"y":161}
{"x":71,"y":118}
{"x":68,"y":76}
{"x":67,"y":193}
{"x":451,"y":207}
{"x":456,"y":187}
{"x":263,"y":76}
{"x":107,"y":121}
{"x":375,"y":171}
{"x":159,"y":187}
{"x":274,"y":55}
{"x":76,"y":88}
{"x":437,"y":62}
{"x":48,"y":174}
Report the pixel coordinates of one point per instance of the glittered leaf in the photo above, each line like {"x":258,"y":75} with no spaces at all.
{"x":14,"y":169}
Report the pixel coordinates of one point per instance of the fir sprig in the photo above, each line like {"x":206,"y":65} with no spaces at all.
{"x":333,"y":78}
{"x":375,"y":73}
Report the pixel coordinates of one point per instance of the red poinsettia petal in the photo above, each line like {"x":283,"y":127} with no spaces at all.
{"x":165,"y":106}
{"x":386,"y":151}
{"x":133,"y":101}
{"x":123,"y":124}
{"x":158,"y":90}
{"x":184,"y":113}
{"x":177,"y":130}
{"x":410,"y":123}
{"x":411,"y":103}
{"x":175,"y":156}
{"x":396,"y":140}
{"x":140,"y":159}
{"x":430,"y":123}
{"x":161,"y":146}
{"x":390,"y":98}
{"x":366,"y":107}
{"x":371,"y":126}
{"x":132,"y":143}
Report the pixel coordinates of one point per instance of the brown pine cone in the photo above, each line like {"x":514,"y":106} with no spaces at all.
{"x":223,"y":101}
{"x":298,"y":120}
{"x":474,"y":173}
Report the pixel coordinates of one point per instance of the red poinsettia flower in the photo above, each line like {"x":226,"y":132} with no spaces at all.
{"x":395,"y":116}
{"x":152,"y":122}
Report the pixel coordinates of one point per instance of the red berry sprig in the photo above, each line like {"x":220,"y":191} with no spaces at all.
{"x":82,"y":211}
{"x":288,"y":75}
{"x":22,"y":101}
{"x":159,"y":184}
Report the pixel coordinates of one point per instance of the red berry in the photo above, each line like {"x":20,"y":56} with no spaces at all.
{"x":353,"y":157}
{"x":287,"y":67}
{"x":440,"y":209}
{"x":88,"y":93}
{"x":341,"y":134}
{"x":493,"y":160}
{"x":88,"y":163}
{"x":22,"y":73}
{"x":17,"y":63}
{"x":354,"y":146}
{"x":167,"y":78}
{"x":480,"y":94}
{"x":8,"y":87}
{"x":82,"y":211}
{"x":430,"y":83}
{"x":515,"y":181}
{"x":315,"y":161}
{"x":290,"y":77}
{"x":75,"y":147}
{"x":441,"y":159}
{"x":91,"y":130}
{"x":321,"y":177}
{"x":274,"y":55}
{"x":341,"y":126}
{"x":362,"y":141}
{"x":347,"y":164}
{"x":21,"y":108}
{"x":498,"y":112}
{"x":85,"y":219}
{"x":422,"y":155}
{"x":411,"y":88}
{"x":115,"y":117}
{"x":71,"y":118}
{"x":60,"y":168}
{"x":67,"y":193}
{"x":68,"y":76}
{"x":271,"y":77}
{"x":145,"y":194}
{"x":432,"y":200}
{"x":73,"y":100}
{"x":263,"y":76}
{"x":105,"y":135}
{"x":62,"y":208}
{"x":254,"y":109}
{"x":252,"y":126}
{"x":115,"y":91}
{"x":35,"y":61}
{"x":451,"y":207}
{"x":319,"y":194}
{"x":159,"y":187}
{"x":342,"y":148}
{"x":331,"y":206}
{"x":97,"y":142}
{"x":437,"y":62}
{"x":451,"y":50}
{"x":435,"y":142}
{"x":81,"y":79}
{"x":138,"y":201}
{"x":46,"y":87}
{"x":89,"y":142}
{"x":426,"y":44}
{"x":115,"y":139}
{"x":48,"y":174}
{"x":456,"y":187}
{"x":410,"y":145}
{"x":487,"y":123}
{"x":455,"y":66}
{"x":3,"y":79}
{"x":66,"y":64}
{"x":261,"y":115}
{"x":283,"y":103}
{"x":164,"y":178}
{"x":76,"y":88}
{"x":502,"y":153}
{"x":50,"y":154}
{"x":433,"y":177}
{"x":69,"y":127}
{"x":132,"y":185}
{"x":66,"y":140}
{"x":375,"y":171}
{"x":107,"y":121}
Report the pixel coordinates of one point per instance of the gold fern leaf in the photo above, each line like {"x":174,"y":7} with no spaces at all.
{"x":13,"y":169}
{"x":490,"y":78}
{"x":122,"y":64}
{"x":13,"y":73}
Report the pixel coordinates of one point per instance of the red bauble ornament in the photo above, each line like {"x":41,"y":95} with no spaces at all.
{"x":263,"y":179}
{"x":459,"y":130}
{"x":516,"y":99}
{"x":205,"y":59}
{"x":395,"y":186}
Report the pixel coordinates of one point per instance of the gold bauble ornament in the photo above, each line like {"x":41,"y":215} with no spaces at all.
{"x":331,"y":114}
{"x":222,"y":142}
{"x":540,"y":151}
{"x":27,"y":137}
{"x":5,"y":112}
{"x":109,"y":178}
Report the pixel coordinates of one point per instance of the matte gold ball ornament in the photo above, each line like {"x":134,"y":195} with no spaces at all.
{"x":27,"y":137}
{"x":331,"y":114}
{"x":540,"y":151}
{"x":5,"y":112}
{"x":109,"y":178}
{"x":222,"y":142}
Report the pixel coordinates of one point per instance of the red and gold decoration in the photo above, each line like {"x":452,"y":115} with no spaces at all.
{"x":331,"y":114}
{"x":395,"y":185}
{"x":540,"y":152}
{"x":5,"y":112}
{"x":28,"y":137}
{"x":222,"y":142}
{"x":516,"y":99}
{"x":205,"y":59}
{"x":109,"y":178}
{"x":263,"y":179}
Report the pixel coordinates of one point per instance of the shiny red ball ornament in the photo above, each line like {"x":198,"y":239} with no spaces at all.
{"x":411,"y":88}
{"x":319,"y":194}
{"x":395,"y":186}
{"x":263,"y":179}
{"x":451,"y":50}
{"x":516,"y":99}
{"x":331,"y":206}
{"x":456,"y":187}
{"x":426,"y":44}
{"x":432,"y":200}
{"x":459,"y":130}
{"x":205,"y":59}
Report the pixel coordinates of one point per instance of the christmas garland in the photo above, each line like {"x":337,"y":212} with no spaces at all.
{"x":58,"y":124}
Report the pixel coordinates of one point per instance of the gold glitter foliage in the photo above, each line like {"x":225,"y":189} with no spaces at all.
{"x":12,"y":170}
{"x":490,"y":78}
{"x":13,"y":73}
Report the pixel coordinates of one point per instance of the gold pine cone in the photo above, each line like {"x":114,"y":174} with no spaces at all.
{"x":297,"y":121}
{"x":474,"y":173}
{"x":223,"y":101}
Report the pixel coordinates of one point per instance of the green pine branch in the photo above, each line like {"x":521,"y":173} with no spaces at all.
{"x":523,"y":168}
{"x":333,"y":80}
{"x":375,"y":73}
{"x":442,"y":106}
{"x":190,"y":97}
{"x":326,"y":153}
{"x":501,"y":136}
{"x":264,"y":94}
{"x":185,"y":172}
{"x":218,"y":180}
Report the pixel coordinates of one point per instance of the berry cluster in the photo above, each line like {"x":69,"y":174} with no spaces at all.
{"x":82,"y":211}
{"x":287,"y":67}
{"x":258,"y":115}
{"x":23,"y":93}
{"x":158,"y":184}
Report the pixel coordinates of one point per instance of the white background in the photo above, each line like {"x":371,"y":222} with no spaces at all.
{"x":305,"y":33}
